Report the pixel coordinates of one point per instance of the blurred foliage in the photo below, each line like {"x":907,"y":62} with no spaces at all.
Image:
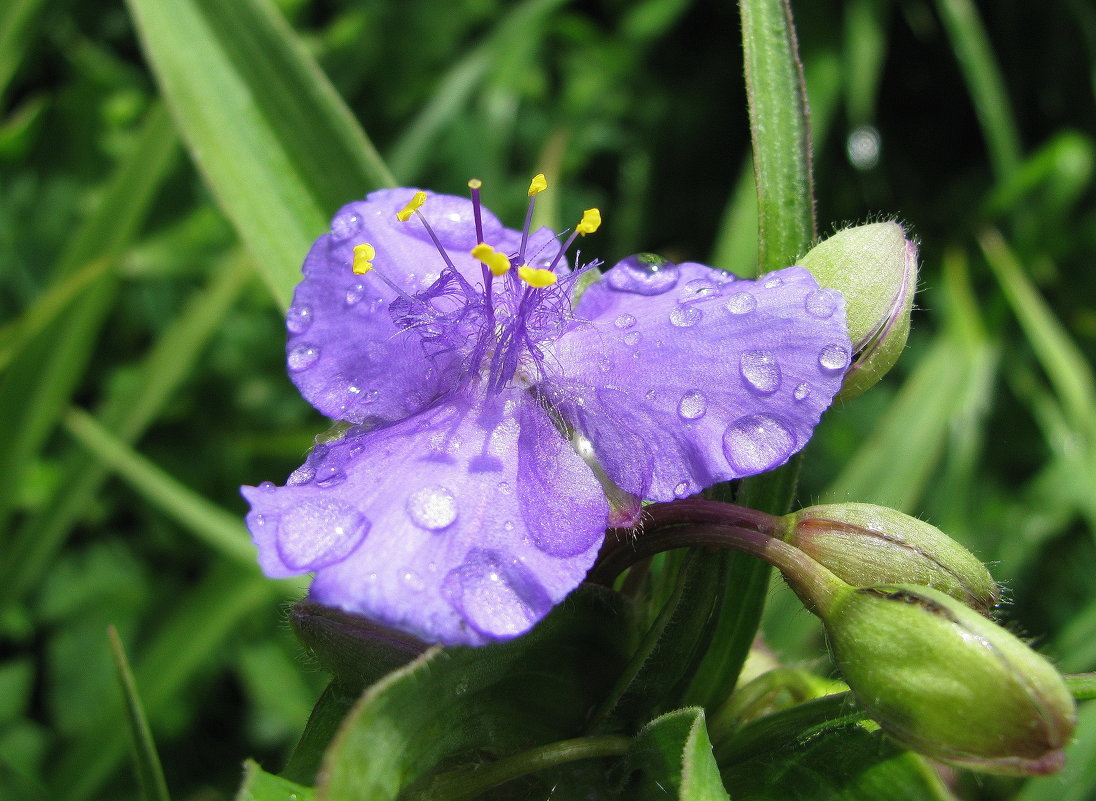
{"x":141,"y":375}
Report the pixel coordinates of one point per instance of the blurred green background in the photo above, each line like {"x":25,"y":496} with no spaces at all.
{"x":141,"y":344}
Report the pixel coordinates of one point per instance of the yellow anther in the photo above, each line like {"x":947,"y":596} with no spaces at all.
{"x":475,"y":183}
{"x":363,"y":258}
{"x":536,"y":277}
{"x":538,"y":184}
{"x":590,"y":222}
{"x":412,"y":206}
{"x":496,"y":262}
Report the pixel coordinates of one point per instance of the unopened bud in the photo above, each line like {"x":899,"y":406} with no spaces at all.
{"x":355,"y":650}
{"x":875,"y":267}
{"x":865,"y":545}
{"x":948,"y":682}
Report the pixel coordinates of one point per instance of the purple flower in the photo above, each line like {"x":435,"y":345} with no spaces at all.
{"x":497,"y":428}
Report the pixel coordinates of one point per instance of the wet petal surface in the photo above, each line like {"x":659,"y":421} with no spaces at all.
{"x":682,"y":376}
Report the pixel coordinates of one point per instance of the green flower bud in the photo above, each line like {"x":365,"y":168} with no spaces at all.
{"x":865,"y":545}
{"x":356,"y":651}
{"x":875,"y":267}
{"x":948,"y":682}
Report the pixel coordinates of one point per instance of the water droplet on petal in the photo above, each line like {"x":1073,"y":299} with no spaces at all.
{"x":413,"y":580}
{"x":632,"y":338}
{"x":345,"y":225}
{"x":821,"y":303}
{"x":316,"y":533}
{"x":693,"y":405}
{"x":432,"y":508}
{"x":774,"y":282}
{"x":267,"y":486}
{"x":681,"y":489}
{"x":697,"y":289}
{"x":298,"y":319}
{"x":302,"y":356}
{"x":685,"y":316}
{"x":760,"y":371}
{"x":496,"y":594}
{"x":756,"y":443}
{"x":833,"y":357}
{"x":625,"y":321}
{"x":651,"y":394}
{"x":741,"y":303}
{"x":802,"y":392}
{"x":354,"y":294}
{"x":505,"y":488}
{"x":329,"y":476}
{"x":302,"y":475}
{"x":643,"y":274}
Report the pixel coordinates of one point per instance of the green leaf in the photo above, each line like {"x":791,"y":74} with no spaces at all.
{"x":150,"y":775}
{"x":262,"y":786}
{"x":672,"y":758}
{"x":464,"y":702}
{"x":273,"y":140}
{"x":845,"y":763}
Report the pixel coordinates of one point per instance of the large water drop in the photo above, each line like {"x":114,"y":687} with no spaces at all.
{"x":316,"y":533}
{"x":833,"y":358}
{"x":756,"y":443}
{"x":741,"y":303}
{"x":432,"y":508}
{"x":685,"y":316}
{"x":302,"y":356}
{"x":643,"y":274}
{"x":496,"y":594}
{"x":821,"y":303}
{"x":298,"y":319}
{"x":760,"y":371}
{"x":693,"y":405}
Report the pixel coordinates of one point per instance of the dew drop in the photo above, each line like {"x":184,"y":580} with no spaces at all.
{"x":345,"y":225}
{"x":329,"y":476}
{"x":774,"y":282}
{"x":632,"y":338}
{"x":302,"y":475}
{"x":496,"y":594}
{"x":651,"y":394}
{"x":760,"y":371}
{"x":802,"y":392}
{"x":821,"y":303}
{"x":355,"y":294}
{"x":298,"y":319}
{"x":681,"y":489}
{"x":303,"y":356}
{"x":741,"y":303}
{"x":267,"y":486}
{"x":413,"y":580}
{"x":833,"y":358}
{"x":432,"y":508}
{"x":505,"y":488}
{"x":643,"y":274}
{"x":685,"y":316}
{"x":693,"y":405}
{"x":317,"y":533}
{"x":697,"y":289}
{"x":757,"y":442}
{"x":625,"y":321}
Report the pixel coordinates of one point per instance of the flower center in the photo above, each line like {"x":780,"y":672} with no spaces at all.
{"x":491,"y":331}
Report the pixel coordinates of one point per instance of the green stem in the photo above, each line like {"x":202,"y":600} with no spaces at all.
{"x":464,"y":783}
{"x":1082,"y":685}
{"x":779,"y":132}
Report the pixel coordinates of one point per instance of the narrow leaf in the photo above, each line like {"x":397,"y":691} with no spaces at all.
{"x":273,"y":140}
{"x":672,"y":758}
{"x":262,"y":786}
{"x":147,"y":762}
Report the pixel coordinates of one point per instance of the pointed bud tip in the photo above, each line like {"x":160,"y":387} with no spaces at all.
{"x":875,"y":267}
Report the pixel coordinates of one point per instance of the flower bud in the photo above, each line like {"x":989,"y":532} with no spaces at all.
{"x":865,"y":545}
{"x":355,"y":650}
{"x":875,"y":267}
{"x":948,"y":682}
